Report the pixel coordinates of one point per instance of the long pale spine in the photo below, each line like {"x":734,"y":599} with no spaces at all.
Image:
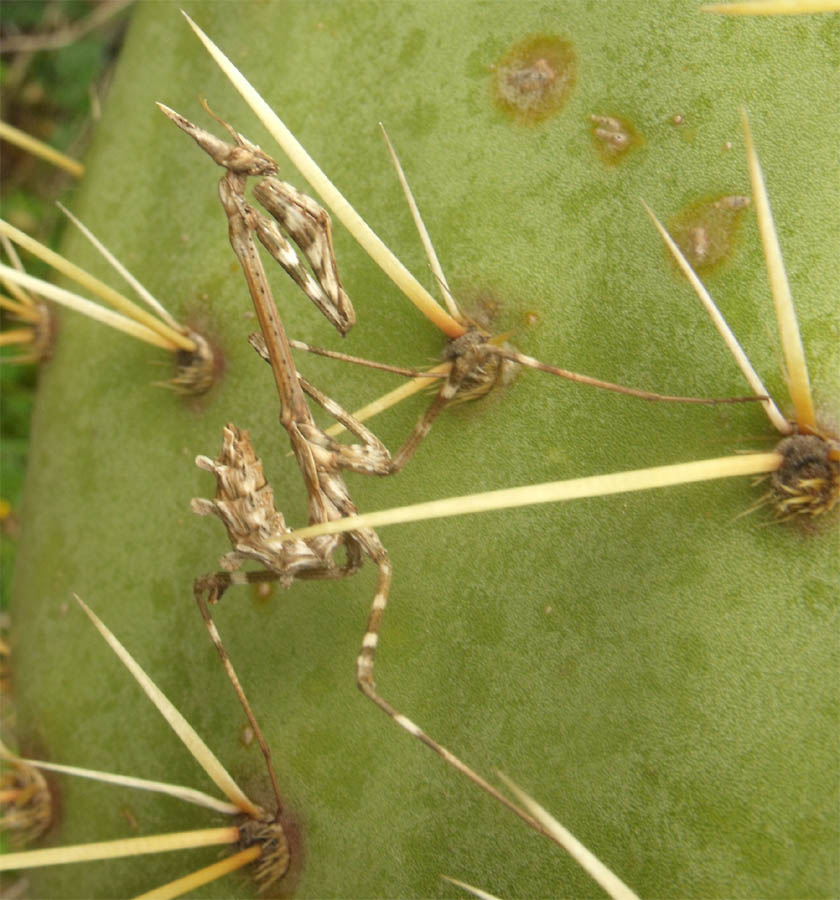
{"x":722,"y":326}
{"x":554,"y":492}
{"x":773,"y":7}
{"x":102,"y":290}
{"x":141,"y":291}
{"x":188,"y":735}
{"x":159,"y":843}
{"x":197,"y":879}
{"x":39,"y":148}
{"x":582,"y":855}
{"x":794,"y":353}
{"x":189,"y":795}
{"x":92,"y":310}
{"x":420,"y":225}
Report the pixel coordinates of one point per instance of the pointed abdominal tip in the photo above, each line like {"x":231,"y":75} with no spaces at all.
{"x":371,"y":243}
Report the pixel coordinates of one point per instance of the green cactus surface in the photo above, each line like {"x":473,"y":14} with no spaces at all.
{"x":658,"y":672}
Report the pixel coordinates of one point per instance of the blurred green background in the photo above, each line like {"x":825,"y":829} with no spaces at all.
{"x":56,"y":62}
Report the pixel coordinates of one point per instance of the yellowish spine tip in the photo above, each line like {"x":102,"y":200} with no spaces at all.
{"x":772,"y":7}
{"x":470,"y":888}
{"x":39,"y":148}
{"x":199,"y":878}
{"x":792,"y":349}
{"x":584,"y":857}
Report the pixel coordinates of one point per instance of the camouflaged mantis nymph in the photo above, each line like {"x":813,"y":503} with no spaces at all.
{"x":255,"y":528}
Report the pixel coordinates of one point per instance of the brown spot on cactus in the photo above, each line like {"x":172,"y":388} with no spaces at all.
{"x":706,"y":231}
{"x":533,"y":80}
